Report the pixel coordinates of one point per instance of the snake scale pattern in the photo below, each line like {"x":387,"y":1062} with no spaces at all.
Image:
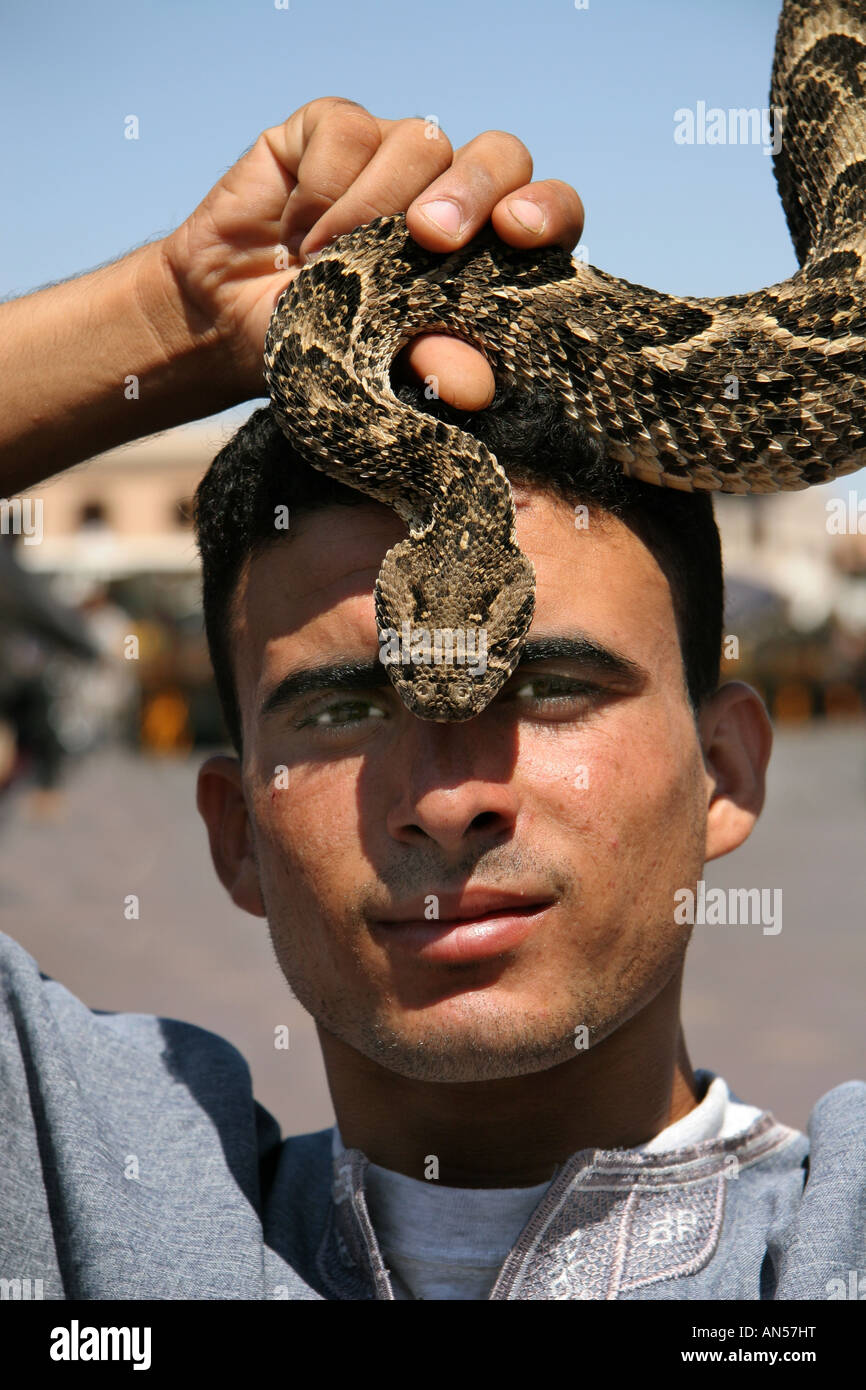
{"x":643,"y":372}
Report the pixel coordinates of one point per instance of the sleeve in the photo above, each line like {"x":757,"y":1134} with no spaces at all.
{"x":30,"y":1261}
{"x":821,"y":1253}
{"x":130,"y":1150}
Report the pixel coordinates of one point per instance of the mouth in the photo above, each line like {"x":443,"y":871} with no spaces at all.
{"x":477,"y":926}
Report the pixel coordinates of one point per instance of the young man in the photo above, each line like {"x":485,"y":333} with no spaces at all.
{"x":479,"y":916}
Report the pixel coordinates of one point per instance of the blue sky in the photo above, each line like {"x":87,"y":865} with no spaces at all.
{"x":591,"y":92}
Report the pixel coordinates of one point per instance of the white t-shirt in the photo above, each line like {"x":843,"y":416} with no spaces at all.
{"x":451,"y":1242}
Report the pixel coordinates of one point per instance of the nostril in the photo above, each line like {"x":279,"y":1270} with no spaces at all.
{"x":486,"y":820}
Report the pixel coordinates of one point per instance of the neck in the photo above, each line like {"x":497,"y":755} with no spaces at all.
{"x":516,"y":1131}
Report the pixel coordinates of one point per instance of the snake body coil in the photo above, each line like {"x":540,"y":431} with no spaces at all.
{"x":647,"y":375}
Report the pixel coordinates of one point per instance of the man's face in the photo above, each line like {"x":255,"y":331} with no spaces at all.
{"x":565,"y":816}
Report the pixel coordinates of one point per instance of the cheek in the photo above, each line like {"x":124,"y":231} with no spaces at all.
{"x":306,"y":833}
{"x":626,"y":792}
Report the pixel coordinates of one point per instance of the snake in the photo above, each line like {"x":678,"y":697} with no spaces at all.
{"x":751,"y":393}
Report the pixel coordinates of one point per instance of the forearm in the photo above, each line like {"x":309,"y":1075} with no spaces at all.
{"x":101,"y":360}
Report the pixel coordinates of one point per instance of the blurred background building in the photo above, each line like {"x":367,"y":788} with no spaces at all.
{"x":795,"y":566}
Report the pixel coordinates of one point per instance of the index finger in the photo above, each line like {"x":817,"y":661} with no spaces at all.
{"x":324,"y":146}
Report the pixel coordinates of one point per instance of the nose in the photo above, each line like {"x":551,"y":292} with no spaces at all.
{"x":452,"y":787}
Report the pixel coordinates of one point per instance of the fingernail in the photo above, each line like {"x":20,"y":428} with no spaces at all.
{"x":444,"y":214}
{"x":529,"y":215}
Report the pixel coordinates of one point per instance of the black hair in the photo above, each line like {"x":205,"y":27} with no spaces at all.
{"x":258,"y":471}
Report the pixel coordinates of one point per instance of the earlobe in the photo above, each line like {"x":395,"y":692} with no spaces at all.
{"x":736,"y":737}
{"x":221,"y":805}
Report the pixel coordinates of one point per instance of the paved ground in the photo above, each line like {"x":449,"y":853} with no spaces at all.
{"x":781,"y":1016}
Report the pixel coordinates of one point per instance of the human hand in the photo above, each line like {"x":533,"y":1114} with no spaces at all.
{"x":329,"y":168}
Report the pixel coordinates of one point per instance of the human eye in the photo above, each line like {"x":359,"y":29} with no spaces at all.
{"x":337,"y":715}
{"x":552,"y":694}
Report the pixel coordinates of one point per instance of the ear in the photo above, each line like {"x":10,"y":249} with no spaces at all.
{"x":736,"y":738}
{"x":221,"y":805}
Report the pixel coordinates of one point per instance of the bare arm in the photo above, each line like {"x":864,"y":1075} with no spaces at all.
{"x":69,"y":357}
{"x":186,"y":316}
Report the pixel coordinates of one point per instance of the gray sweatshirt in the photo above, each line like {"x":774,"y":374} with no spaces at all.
{"x":135,"y":1163}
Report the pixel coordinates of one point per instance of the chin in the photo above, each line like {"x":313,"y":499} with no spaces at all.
{"x":469,"y":1049}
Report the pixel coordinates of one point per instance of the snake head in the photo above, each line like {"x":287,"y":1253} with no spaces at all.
{"x":450,"y":632}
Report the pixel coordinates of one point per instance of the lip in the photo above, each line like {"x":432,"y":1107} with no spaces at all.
{"x":477,"y":926}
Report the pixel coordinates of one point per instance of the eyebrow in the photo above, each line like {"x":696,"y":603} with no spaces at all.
{"x":373,"y":675}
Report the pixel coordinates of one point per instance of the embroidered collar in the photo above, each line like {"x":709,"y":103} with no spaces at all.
{"x":611,"y":1221}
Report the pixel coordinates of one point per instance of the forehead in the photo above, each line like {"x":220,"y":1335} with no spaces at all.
{"x":308,"y":599}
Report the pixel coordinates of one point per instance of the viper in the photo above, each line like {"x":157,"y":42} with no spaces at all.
{"x":751,"y":393}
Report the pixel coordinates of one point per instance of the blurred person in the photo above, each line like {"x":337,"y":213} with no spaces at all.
{"x":29,"y":709}
{"x":37,"y":635}
{"x":95,"y":701}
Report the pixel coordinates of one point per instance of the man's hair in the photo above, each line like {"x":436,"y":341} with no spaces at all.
{"x":258,"y":471}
